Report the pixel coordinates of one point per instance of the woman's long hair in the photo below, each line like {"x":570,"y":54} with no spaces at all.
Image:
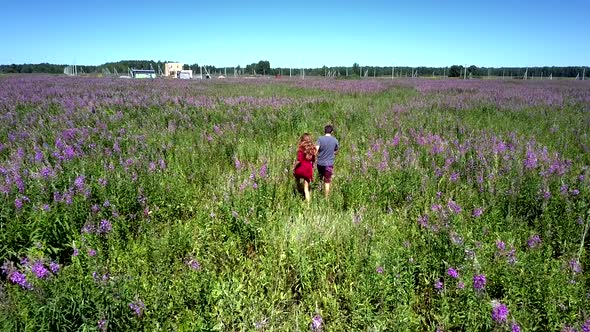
{"x":307,"y":147}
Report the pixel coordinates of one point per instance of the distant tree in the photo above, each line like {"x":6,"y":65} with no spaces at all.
{"x":185,"y":67}
{"x":263,"y":67}
{"x":356,"y":69}
{"x":455,"y":71}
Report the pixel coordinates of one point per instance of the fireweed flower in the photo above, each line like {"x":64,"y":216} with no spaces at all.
{"x":479,"y":282}
{"x":263,"y":171}
{"x":18,"y":203}
{"x":79,"y":182}
{"x":456,"y":238}
{"x":453,"y":273}
{"x":137,"y":307}
{"x":514,"y":327}
{"x":18,"y":278}
{"x":534,"y":241}
{"x":454,"y":207}
{"x":477,"y":212}
{"x":423,"y":221}
{"x":192,"y":263}
{"x":105,"y":226}
{"x":574,"y":266}
{"x":102,"y":325}
{"x":54,"y":267}
{"x":438,"y":285}
{"x":316,"y":323}
{"x":499,"y":312}
{"x":40,"y":270}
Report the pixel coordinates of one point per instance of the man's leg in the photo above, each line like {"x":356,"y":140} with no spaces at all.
{"x":327,"y":179}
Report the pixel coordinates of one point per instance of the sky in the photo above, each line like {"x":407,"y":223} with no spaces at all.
{"x":298,"y":33}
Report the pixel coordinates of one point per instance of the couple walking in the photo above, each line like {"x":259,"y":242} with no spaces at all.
{"x":324,"y":152}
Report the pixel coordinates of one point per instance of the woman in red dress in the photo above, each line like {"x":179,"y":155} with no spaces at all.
{"x":306,"y":154}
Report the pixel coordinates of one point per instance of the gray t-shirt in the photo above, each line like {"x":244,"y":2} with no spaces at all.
{"x":328,"y":145}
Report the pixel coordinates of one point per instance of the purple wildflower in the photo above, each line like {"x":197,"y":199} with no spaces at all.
{"x":263,"y":171}
{"x":499,"y":312}
{"x":54,"y":267}
{"x":18,"y":203}
{"x":106,"y":203}
{"x":460,"y":285}
{"x":477,"y":212}
{"x":456,"y":238}
{"x":564,"y":189}
{"x":79,"y":182}
{"x":436,"y":207}
{"x":316,"y":323}
{"x":379,"y":270}
{"x":423,"y":221}
{"x":137,"y":307}
{"x":255,"y":185}
{"x":438,"y":285}
{"x":24,"y":261}
{"x":102,"y":325}
{"x":515,"y":327}
{"x":193,"y":263}
{"x":162,"y":164}
{"x":40,"y":270}
{"x":76,"y":252}
{"x":88,"y":228}
{"x":534,"y":241}
{"x":18,"y":278}
{"x":586,"y":326}
{"x":454,"y":207}
{"x":575,"y":266}
{"x":500,"y":245}
{"x":91,"y":252}
{"x":102,"y":182}
{"x":237,"y":163}
{"x":568,"y":328}
{"x":479,"y":281}
{"x":105,"y":226}
{"x":453,"y":273}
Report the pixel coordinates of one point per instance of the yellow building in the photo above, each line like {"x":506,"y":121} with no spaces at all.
{"x":171,"y":68}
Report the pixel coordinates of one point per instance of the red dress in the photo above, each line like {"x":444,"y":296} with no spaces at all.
{"x":304,"y":169}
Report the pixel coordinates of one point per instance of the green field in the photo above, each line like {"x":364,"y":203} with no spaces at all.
{"x":171,"y":206}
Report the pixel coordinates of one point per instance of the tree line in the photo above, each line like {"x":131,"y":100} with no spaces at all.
{"x":263,"y":67}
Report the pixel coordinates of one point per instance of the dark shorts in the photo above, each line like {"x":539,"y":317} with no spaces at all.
{"x":326,"y":173}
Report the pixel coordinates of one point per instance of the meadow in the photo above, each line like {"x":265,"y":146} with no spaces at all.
{"x":169,"y":205}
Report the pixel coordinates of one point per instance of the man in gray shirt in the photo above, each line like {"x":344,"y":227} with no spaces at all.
{"x":327,"y":147}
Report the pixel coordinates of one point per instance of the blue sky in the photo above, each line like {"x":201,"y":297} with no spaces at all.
{"x":298,"y":34}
